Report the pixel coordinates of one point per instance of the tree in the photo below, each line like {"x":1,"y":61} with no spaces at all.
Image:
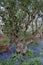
{"x":18,"y":16}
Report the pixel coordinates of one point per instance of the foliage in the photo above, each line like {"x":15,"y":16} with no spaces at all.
{"x":15,"y":14}
{"x":15,"y":59}
{"x":29,"y":53}
{"x":11,"y":62}
{"x":34,"y":62}
{"x":19,"y":17}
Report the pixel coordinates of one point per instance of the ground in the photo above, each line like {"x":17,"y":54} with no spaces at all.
{"x":35,"y":52}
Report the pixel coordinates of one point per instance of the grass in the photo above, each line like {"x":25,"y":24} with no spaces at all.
{"x":4,"y":41}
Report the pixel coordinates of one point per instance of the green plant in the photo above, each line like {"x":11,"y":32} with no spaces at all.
{"x":35,"y":62}
{"x":2,"y":62}
{"x":15,"y":56}
{"x":29,"y":53}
